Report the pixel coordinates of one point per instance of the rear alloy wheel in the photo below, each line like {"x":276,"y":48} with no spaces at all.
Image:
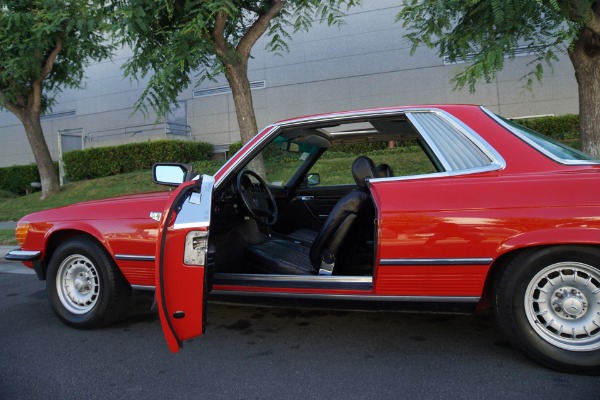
{"x":85,"y":288}
{"x":548,"y":303}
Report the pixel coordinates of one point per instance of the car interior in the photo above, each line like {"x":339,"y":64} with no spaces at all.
{"x":309,"y":211}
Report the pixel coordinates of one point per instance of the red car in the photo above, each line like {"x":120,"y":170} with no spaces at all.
{"x":442,"y":207}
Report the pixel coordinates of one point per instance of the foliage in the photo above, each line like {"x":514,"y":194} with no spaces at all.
{"x":5,"y":194}
{"x":173,"y":41}
{"x":235,"y":147}
{"x":44,"y":47}
{"x":207,"y":167}
{"x":18,"y":178}
{"x":563,"y":127}
{"x":31,"y":29}
{"x":113,"y":160}
{"x":485,"y":33}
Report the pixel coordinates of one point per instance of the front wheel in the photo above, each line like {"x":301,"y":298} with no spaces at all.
{"x":547,"y":301}
{"x":85,"y":288}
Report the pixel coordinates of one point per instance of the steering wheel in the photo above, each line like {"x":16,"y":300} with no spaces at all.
{"x":257,"y":197}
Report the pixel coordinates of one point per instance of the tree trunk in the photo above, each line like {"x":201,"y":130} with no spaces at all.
{"x":585,"y":56}
{"x":237,"y":76}
{"x":35,"y":135}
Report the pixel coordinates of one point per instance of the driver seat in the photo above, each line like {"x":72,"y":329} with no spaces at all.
{"x":333,"y":243}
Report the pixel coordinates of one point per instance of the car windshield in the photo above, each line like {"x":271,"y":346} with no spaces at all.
{"x":282,"y":158}
{"x":548,"y":146}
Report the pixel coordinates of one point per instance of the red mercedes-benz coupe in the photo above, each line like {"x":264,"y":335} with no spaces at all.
{"x":435,"y":207}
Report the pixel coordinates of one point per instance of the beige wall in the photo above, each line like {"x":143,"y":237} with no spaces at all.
{"x":365,"y":63}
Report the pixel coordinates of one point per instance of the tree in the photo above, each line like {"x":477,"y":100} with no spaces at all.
{"x":44,"y":46}
{"x":485,"y":32}
{"x":174,"y":40}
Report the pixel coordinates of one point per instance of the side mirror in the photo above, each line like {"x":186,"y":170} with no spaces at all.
{"x":171,"y":174}
{"x":313,"y":179}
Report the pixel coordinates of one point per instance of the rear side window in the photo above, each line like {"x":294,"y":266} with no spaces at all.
{"x":552,"y":148}
{"x":454,"y":149}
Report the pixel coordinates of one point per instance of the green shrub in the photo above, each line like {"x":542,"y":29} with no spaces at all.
{"x":235,"y":147}
{"x":18,"y":178}
{"x":113,"y":160}
{"x":208,"y":167}
{"x":5,"y":194}
{"x":560,"y":128}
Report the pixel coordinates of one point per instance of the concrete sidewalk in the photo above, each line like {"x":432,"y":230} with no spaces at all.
{"x":4,"y":250}
{"x":12,"y":267}
{"x":8,"y":225}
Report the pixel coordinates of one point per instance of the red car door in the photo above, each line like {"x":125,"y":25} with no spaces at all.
{"x":181,"y":273}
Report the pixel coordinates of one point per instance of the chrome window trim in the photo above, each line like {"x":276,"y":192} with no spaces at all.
{"x":360,"y":297}
{"x":273,"y":128}
{"x":497,"y":162}
{"x":133,"y":257}
{"x":533,"y":144}
{"x":435,"y":261}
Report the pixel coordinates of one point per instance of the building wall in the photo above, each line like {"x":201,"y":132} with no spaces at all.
{"x":363,"y":64}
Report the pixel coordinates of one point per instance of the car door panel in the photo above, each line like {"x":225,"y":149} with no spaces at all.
{"x":181,"y":271}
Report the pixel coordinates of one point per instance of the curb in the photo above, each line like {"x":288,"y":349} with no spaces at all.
{"x":4,"y":251}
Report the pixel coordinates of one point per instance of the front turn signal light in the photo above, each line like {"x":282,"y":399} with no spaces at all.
{"x":21,"y":232}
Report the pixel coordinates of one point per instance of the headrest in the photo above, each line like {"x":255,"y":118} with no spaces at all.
{"x":384,"y":171}
{"x":363,"y":169}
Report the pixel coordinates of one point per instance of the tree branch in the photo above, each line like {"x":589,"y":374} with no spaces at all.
{"x":35,"y":96}
{"x":258,"y":28}
{"x":16,"y":110}
{"x":218,"y":34}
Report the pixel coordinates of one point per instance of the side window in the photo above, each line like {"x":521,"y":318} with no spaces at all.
{"x":403,"y":158}
{"x":455,"y":150}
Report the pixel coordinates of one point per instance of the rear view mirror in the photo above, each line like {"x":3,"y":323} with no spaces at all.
{"x":313,"y":179}
{"x":170,"y":174}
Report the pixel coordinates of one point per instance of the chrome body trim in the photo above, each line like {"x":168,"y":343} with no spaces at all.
{"x":295,"y":281}
{"x":195,"y":210}
{"x":143,"y":287}
{"x":535,"y":145}
{"x":352,"y":297}
{"x":133,"y":257}
{"x":23,"y":255}
{"x":435,"y":261}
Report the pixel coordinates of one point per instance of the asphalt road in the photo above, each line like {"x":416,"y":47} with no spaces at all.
{"x":263,"y":353}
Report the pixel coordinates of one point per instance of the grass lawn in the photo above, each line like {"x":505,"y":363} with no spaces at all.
{"x":334,"y":170}
{"x":7,"y":237}
{"x":135,"y":182}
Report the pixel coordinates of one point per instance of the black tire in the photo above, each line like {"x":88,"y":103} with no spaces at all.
{"x":547,"y":302}
{"x":85,"y":288}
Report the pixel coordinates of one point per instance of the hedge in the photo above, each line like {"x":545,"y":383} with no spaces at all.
{"x":560,"y":128}
{"x":18,"y":178}
{"x":114,"y":160}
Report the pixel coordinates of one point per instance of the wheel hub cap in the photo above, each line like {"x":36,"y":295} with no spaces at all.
{"x":562,"y":304}
{"x":570,"y":302}
{"x":78,"y":284}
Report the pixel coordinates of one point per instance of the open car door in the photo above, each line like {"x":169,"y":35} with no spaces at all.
{"x":181,"y":271}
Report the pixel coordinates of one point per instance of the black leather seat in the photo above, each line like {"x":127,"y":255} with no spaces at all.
{"x":334,"y":241}
{"x":383,"y":171}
